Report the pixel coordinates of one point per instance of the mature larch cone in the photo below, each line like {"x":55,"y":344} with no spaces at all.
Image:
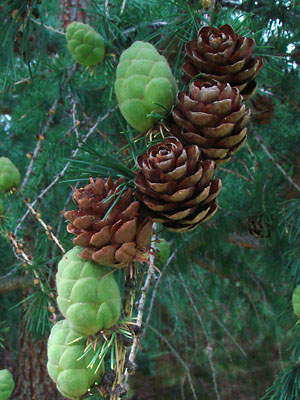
{"x":110,"y":228}
{"x":211,"y":115}
{"x":262,"y":109}
{"x":220,"y":54}
{"x":176,"y":185}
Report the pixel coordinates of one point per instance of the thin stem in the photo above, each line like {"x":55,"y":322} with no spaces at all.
{"x":120,"y":348}
{"x":209,"y":347}
{"x":277,"y":165}
{"x":63,"y":171}
{"x":174,"y":352}
{"x":47,"y":228}
{"x":142,"y":300}
{"x":45,"y":128}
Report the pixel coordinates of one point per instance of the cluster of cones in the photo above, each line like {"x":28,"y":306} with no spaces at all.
{"x":174,"y":183}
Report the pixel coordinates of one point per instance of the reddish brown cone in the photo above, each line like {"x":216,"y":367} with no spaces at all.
{"x":220,"y":54}
{"x":262,"y":109}
{"x":211,"y":115}
{"x":176,"y":185}
{"x":111,"y":238}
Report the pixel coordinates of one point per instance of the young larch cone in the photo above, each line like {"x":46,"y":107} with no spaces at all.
{"x":211,"y":115}
{"x":176,"y":185}
{"x":223,"y":55}
{"x":108,"y":223}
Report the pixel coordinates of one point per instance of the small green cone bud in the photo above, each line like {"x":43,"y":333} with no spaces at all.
{"x":9,"y":175}
{"x":85,"y":44}
{"x":163,"y":250}
{"x":7,"y":384}
{"x":88,"y":295}
{"x":72,"y":376}
{"x":296,"y":301}
{"x":145,"y":85}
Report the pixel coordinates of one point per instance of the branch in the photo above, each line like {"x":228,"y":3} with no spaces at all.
{"x":209,"y":347}
{"x":46,"y":26}
{"x":174,"y":352}
{"x":235,"y":173}
{"x":120,"y":349}
{"x":47,"y":228}
{"x":142,"y":300}
{"x":277,"y":165}
{"x":63,"y":171}
{"x":13,"y":284}
{"x":212,"y":314}
{"x":41,"y":137}
{"x":135,"y":348}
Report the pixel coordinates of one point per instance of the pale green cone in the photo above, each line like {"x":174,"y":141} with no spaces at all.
{"x":9,"y":175}
{"x":296,"y":301}
{"x":144,"y":85}
{"x":85,"y":44}
{"x":7,"y":384}
{"x":72,"y":376}
{"x":88,"y":295}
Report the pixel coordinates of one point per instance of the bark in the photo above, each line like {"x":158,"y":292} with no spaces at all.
{"x":73,"y":10}
{"x":30,"y":372}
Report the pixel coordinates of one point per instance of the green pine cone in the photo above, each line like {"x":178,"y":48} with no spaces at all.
{"x":144,"y":85}
{"x":296,"y":301}
{"x":88,"y":295}
{"x":7,"y":384}
{"x":72,"y":376}
{"x":85,"y":44}
{"x":9,"y":175}
{"x":163,"y":250}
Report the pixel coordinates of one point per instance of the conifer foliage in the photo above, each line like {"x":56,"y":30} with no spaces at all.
{"x":141,"y":117}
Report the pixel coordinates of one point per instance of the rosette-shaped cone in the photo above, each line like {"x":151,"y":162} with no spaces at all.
{"x":66,"y":366}
{"x":9,"y":175}
{"x":176,"y":185}
{"x":7,"y":384}
{"x":212,"y":116}
{"x":296,"y":301}
{"x":85,"y":44}
{"x":87,"y":294}
{"x":262,"y":109}
{"x":109,"y":223}
{"x":144,"y":86}
{"x":223,"y":55}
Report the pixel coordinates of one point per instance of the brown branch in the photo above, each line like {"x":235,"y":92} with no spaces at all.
{"x":247,"y":241}
{"x":13,"y":284}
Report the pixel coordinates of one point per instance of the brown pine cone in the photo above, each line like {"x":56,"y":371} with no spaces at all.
{"x":176,"y":185}
{"x":212,"y":116}
{"x":263,"y":108}
{"x":113,"y":239}
{"x":220,"y":54}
